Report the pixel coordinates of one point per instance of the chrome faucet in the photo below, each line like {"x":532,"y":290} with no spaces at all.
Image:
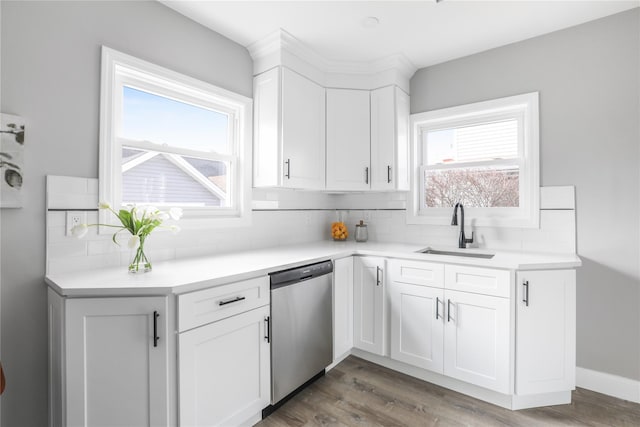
{"x":462,"y":240}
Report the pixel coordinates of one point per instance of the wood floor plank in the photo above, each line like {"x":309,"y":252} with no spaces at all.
{"x":358,"y":393}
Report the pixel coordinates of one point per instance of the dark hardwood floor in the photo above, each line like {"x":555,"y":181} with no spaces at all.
{"x":360,"y":393}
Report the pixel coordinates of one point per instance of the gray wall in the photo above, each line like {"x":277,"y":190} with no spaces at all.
{"x":51,"y":76}
{"x":588,"y":79}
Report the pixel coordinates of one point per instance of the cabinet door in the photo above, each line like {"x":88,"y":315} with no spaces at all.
{"x":368,"y":308}
{"x":348,"y":139}
{"x":402,"y":158}
{"x":389,"y":139}
{"x":267,"y":155}
{"x":417,"y":325}
{"x":342,"y":306}
{"x":476,"y":345}
{"x":116,"y":375}
{"x":303,"y":132}
{"x":545,"y":331}
{"x":225,"y":370}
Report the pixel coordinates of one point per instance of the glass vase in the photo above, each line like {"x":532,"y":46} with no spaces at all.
{"x":139,"y":262}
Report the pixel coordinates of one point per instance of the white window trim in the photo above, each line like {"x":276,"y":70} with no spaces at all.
{"x":527,"y":215}
{"x":116,"y":64}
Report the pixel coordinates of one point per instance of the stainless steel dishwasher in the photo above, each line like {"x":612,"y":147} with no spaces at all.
{"x":301,"y":327}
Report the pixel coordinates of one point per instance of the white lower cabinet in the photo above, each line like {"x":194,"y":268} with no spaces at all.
{"x":112,"y":359}
{"x":477,"y":340}
{"x":459,"y":334}
{"x":224,"y":359}
{"x":417,"y":325}
{"x":368,"y":304}
{"x":510,"y":333}
{"x":225,"y":370}
{"x":545,"y":327}
{"x":114,"y":368}
{"x":342,"y":307}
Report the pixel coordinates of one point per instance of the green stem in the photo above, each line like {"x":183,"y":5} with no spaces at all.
{"x":140,"y":258}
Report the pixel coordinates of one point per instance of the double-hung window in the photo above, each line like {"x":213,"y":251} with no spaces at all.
{"x":482,"y":155}
{"x":171,"y":140}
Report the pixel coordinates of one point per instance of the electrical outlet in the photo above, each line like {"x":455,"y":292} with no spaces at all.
{"x":75,"y":218}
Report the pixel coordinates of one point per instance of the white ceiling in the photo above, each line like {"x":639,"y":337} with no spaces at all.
{"x":424,"y":31}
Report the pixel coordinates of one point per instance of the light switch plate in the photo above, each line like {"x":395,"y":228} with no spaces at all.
{"x":75,"y":218}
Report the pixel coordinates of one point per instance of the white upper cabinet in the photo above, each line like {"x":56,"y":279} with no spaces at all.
{"x":310,"y":138}
{"x":289,"y":131}
{"x":348,"y":140}
{"x":389,"y":139}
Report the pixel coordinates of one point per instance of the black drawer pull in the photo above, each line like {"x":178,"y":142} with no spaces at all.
{"x":231,"y":301}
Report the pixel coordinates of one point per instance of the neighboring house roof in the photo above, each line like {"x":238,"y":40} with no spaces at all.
{"x":161,"y":177}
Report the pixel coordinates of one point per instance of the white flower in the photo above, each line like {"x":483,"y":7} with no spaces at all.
{"x":162,"y":216}
{"x":104,"y":205}
{"x":134,"y":241}
{"x":174,"y":229}
{"x":80,"y":231}
{"x":151,"y":212}
{"x":175,"y":213}
{"x":136,"y":214}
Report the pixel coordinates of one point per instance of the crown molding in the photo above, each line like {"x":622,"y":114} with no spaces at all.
{"x":280,"y":43}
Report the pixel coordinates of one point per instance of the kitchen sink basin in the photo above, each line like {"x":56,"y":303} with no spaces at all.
{"x":432,"y":251}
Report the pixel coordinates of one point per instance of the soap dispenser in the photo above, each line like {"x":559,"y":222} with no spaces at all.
{"x":362,"y":234}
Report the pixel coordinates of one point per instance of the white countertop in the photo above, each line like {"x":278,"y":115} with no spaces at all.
{"x":187,"y":275}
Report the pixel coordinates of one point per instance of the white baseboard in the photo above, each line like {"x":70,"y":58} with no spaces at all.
{"x":611,"y":385}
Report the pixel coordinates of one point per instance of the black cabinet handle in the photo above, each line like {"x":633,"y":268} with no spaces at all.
{"x":288,"y":174}
{"x":366,"y":175}
{"x":230,"y":301}
{"x":525,"y":297}
{"x":267,"y":333}
{"x":388,"y":174}
{"x":437,"y":308}
{"x":378,"y":269}
{"x":448,"y":310}
{"x":155,"y":328}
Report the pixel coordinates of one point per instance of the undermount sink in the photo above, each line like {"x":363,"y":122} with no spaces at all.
{"x":432,"y":251}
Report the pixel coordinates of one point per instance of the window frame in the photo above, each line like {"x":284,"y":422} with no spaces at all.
{"x":525,"y":109}
{"x":119,"y":70}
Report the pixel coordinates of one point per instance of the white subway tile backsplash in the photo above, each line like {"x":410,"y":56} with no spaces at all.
{"x":56,"y":218}
{"x":67,"y":185}
{"x":100,"y":247}
{"x":56,"y":234}
{"x":71,"y":248}
{"x":558,"y":197}
{"x":70,"y":264}
{"x":287,"y":227}
{"x":72,"y":201}
{"x":65,"y":192}
{"x":92,"y":186}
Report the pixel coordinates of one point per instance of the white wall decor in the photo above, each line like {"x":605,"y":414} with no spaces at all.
{"x":11,"y":160}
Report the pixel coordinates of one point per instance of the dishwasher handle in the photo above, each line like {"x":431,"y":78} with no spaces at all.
{"x":299,"y":274}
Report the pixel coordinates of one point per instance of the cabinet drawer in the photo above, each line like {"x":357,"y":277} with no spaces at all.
{"x":484,"y":281}
{"x":206,"y":306}
{"x":417,"y":272}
